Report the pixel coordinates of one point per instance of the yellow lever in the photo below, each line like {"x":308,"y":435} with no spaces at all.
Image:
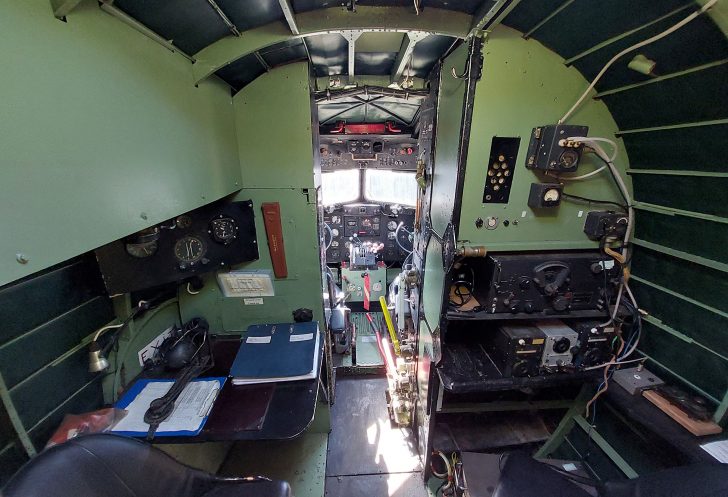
{"x":390,"y":326}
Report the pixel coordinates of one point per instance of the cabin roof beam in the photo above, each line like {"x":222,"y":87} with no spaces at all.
{"x":491,"y":13}
{"x":225,"y":19}
{"x":404,"y":57}
{"x":289,"y":15}
{"x":327,"y":21}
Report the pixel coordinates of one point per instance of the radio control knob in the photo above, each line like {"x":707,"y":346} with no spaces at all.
{"x":521,"y":342}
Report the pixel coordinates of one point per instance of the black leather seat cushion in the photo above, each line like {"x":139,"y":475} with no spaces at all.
{"x":523,"y":476}
{"x":700,"y":480}
{"x":112,"y":466}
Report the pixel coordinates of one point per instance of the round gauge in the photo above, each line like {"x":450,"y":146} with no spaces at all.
{"x":336,"y":219}
{"x":183,"y":222}
{"x":141,"y":250}
{"x":551,"y":195}
{"x":391,"y":235}
{"x":392,"y":225}
{"x":189,"y":249}
{"x":223,"y":230}
{"x":334,"y":232}
{"x":568,"y":159}
{"x":143,"y":244}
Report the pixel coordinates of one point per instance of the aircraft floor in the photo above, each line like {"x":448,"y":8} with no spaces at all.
{"x":367,"y":456}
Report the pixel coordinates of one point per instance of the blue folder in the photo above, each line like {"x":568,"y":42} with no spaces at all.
{"x":137,"y":388}
{"x":277,"y":352}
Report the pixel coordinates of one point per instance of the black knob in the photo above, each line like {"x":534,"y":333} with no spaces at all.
{"x":520,"y":369}
{"x":597,"y":268}
{"x":515,"y":306}
{"x":561,"y":303}
{"x":524,"y":283}
{"x":528,"y":307}
{"x":562,"y":345}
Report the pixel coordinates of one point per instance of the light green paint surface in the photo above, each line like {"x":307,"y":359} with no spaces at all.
{"x":525,"y":85}
{"x":301,"y":462}
{"x":273,"y":122}
{"x":99,"y":126}
{"x":302,"y":288}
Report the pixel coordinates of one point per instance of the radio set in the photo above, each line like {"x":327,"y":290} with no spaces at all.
{"x":543,"y":347}
{"x":548,"y":284}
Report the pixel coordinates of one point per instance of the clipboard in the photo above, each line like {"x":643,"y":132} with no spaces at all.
{"x":196,"y":398}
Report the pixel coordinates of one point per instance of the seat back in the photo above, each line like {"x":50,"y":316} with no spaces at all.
{"x":106,"y":465}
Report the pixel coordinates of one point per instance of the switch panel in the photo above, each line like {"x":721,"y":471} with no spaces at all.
{"x":501,"y":166}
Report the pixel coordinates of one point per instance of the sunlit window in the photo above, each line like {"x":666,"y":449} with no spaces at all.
{"x":340,"y":186}
{"x":390,"y":186}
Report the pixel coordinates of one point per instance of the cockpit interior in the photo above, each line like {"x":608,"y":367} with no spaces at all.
{"x":381,"y":248}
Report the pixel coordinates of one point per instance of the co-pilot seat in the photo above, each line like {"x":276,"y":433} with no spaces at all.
{"x":112,"y":466}
{"x":519,"y":475}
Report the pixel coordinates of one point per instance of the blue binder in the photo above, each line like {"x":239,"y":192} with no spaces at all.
{"x":277,"y":352}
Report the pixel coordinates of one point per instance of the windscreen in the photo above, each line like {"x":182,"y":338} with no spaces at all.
{"x":339,"y":187}
{"x":390,"y":187}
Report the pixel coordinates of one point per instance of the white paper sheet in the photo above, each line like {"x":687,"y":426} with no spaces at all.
{"x":190,"y":409}
{"x":718,"y":449}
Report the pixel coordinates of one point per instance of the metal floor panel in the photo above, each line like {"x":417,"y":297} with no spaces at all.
{"x":362,"y":440}
{"x":389,"y":485}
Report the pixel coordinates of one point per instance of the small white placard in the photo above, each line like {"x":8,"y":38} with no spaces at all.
{"x":569,"y":466}
{"x":257,"y":340}
{"x":253,"y":301}
{"x":368,"y":338}
{"x":523,"y":214}
{"x":719,"y":450}
{"x":302,"y":337}
{"x":246,"y":283}
{"x":581,"y":214}
{"x":147,"y":352}
{"x":608,"y":264}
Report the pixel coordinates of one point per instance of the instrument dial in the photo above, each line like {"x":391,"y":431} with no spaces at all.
{"x":392,"y":225}
{"x":189,"y":249}
{"x":223,"y":230}
{"x":143,"y":244}
{"x":183,"y":222}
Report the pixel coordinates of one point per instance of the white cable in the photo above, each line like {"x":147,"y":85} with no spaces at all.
{"x":615,"y":149}
{"x":641,"y":44}
{"x":615,"y":363}
{"x":190,"y":291}
{"x":106,"y":328}
{"x":583,"y":176}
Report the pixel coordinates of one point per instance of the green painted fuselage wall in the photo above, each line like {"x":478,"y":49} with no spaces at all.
{"x":273,"y":125}
{"x":525,"y":85}
{"x":102,"y":133}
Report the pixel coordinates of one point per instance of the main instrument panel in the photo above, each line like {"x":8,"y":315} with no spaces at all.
{"x":389,"y":225}
{"x":368,"y":151}
{"x":200,"y":241}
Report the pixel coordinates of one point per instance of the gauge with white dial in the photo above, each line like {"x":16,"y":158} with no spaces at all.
{"x":189,"y":249}
{"x":223,"y":230}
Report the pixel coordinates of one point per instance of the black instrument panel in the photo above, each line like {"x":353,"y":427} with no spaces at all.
{"x":368,"y":151}
{"x":197,"y":242}
{"x":369,"y":223}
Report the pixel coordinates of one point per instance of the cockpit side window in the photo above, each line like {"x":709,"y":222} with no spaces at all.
{"x":390,"y":187}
